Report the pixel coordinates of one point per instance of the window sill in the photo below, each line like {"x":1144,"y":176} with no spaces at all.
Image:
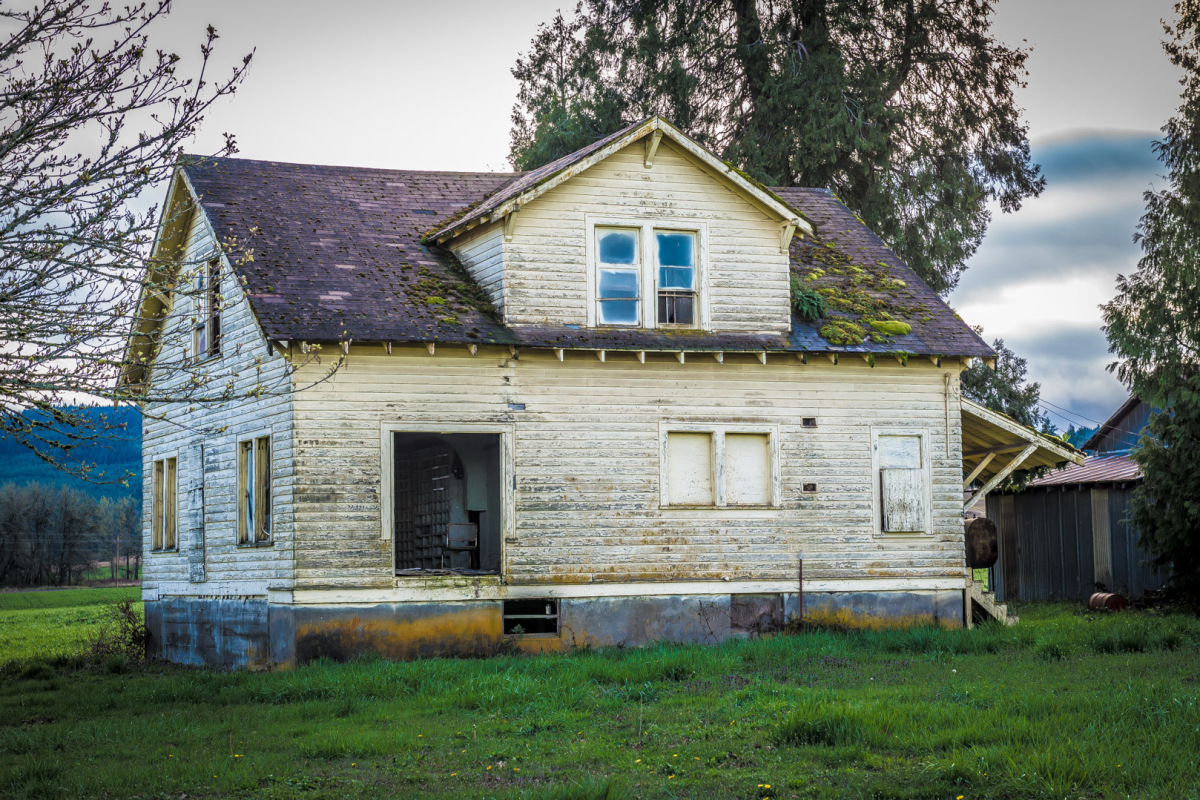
{"x":165,"y":550}
{"x":252,"y":545}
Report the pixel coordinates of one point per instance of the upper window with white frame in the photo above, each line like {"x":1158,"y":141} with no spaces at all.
{"x":206,"y":294}
{"x":647,"y":275}
{"x":719,"y":467}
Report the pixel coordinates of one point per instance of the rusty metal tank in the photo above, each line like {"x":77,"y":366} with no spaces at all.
{"x":982,"y":549}
{"x":1107,"y":601}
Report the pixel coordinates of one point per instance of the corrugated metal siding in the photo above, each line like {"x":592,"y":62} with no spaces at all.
{"x":1047,"y":550}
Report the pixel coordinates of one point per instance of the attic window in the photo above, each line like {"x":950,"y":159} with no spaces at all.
{"x":645,"y":276}
{"x":206,"y":297}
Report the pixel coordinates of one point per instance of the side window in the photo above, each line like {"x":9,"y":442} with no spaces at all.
{"x":675,"y":252}
{"x":618,"y":277}
{"x":254,"y":490}
{"x":719,"y":468}
{"x":206,"y":294}
{"x":164,"y":507}
{"x":901,"y":483}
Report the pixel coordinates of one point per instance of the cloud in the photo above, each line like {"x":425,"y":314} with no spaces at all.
{"x":1041,"y":274}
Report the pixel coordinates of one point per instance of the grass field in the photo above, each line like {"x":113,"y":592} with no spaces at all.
{"x":53,"y":623}
{"x":1064,"y":705}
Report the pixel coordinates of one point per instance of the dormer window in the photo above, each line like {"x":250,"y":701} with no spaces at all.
{"x":618,"y":294}
{"x":646,"y":275}
{"x":675,"y":253}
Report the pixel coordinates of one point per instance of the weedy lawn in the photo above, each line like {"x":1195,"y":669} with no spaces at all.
{"x":54,"y":623}
{"x":1065,"y":705}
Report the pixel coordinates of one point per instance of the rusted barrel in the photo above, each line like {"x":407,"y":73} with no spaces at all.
{"x":1102,"y":601}
{"x":982,"y":551}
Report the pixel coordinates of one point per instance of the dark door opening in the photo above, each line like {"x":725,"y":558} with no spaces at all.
{"x":447,"y":502}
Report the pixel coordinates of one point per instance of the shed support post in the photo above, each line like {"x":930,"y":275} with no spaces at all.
{"x":995,"y":480}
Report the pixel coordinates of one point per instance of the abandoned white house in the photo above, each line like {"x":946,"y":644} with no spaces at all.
{"x":577,"y":406}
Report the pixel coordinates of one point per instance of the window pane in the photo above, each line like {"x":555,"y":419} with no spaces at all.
{"x":678,"y":278}
{"x":676,"y":308}
{"x":676,"y":250}
{"x":899,"y":452}
{"x":617,"y":247}
{"x":747,"y":469}
{"x":619,"y":312}
{"x":689,"y":469}
{"x":618,"y":283}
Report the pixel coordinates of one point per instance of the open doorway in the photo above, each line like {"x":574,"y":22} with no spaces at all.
{"x":447,"y":502}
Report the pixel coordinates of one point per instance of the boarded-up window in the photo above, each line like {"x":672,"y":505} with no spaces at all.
{"x":690,"y":469}
{"x":747,"y":469}
{"x":254,"y":490}
{"x":164,"y":511}
{"x":206,"y":290}
{"x":902,"y":484}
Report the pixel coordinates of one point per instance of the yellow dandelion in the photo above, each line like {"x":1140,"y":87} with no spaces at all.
{"x":489,"y":767}
{"x":170,"y":755}
{"x":638,"y":761}
{"x":670,"y":776}
{"x":516,"y":770}
{"x":452,"y":774}
{"x":960,"y":797}
{"x":353,"y":763}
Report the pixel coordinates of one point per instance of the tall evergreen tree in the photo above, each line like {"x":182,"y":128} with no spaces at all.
{"x":904,"y":108}
{"x":1153,"y":327}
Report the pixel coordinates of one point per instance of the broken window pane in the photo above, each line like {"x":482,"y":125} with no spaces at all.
{"x":747,"y":469}
{"x":690,"y":469}
{"x":676,"y":253}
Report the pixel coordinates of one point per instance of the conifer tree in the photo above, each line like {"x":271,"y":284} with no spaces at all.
{"x":1153,"y":327}
{"x":904,"y":108}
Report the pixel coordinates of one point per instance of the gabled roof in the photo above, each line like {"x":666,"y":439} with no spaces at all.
{"x":1112,"y":422}
{"x":534,"y":183}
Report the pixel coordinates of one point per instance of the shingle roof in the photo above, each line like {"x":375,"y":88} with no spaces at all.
{"x":337,"y":255}
{"x":1107,"y":468}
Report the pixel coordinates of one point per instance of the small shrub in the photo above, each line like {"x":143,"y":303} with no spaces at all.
{"x":122,"y":633}
{"x":116,"y":663}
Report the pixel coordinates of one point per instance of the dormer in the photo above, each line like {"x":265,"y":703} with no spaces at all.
{"x":642,"y":230}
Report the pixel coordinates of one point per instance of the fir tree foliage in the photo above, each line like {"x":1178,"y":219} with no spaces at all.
{"x":1153,"y":327}
{"x":904,"y":108}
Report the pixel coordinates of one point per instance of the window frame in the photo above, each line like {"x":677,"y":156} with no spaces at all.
{"x":925,"y":436}
{"x":164,"y":510}
{"x":243,"y":526}
{"x":648,"y":274}
{"x":718,"y":432}
{"x":206,"y":303}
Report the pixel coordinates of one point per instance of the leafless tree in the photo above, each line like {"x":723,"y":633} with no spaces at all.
{"x":93,"y":120}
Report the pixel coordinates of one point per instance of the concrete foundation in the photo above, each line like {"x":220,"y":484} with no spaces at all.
{"x":235,"y":633}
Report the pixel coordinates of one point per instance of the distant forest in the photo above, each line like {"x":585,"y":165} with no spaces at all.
{"x":115,"y":455}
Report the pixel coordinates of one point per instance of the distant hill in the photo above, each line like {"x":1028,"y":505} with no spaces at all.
{"x":114,"y":455}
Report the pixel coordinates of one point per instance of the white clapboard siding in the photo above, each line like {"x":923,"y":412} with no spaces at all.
{"x":587,"y":472}
{"x":544,"y":280}
{"x":482,"y":252}
{"x":201,"y":565}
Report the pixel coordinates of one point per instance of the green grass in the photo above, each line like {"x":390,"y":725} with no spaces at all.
{"x":1065,"y":705}
{"x":53,"y":624}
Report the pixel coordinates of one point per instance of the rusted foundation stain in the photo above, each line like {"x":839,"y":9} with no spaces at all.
{"x":399,"y":631}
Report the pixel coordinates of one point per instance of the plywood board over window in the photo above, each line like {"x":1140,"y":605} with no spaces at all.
{"x":717,"y":465}
{"x":900,"y":460}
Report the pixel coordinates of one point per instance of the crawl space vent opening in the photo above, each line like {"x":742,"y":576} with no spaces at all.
{"x":530,"y":616}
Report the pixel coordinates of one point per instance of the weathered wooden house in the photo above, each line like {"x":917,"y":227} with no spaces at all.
{"x":1068,"y":533}
{"x":576,"y":406}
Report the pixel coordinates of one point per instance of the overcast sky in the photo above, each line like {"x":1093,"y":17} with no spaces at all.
{"x":426,"y":85}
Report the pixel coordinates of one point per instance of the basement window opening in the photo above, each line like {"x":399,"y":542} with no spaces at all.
{"x":446,"y":503}
{"x":523,"y":617}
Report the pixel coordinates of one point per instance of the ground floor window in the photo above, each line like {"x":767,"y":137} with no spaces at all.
{"x":446,"y":501}
{"x":164,"y":511}
{"x":254,"y":490}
